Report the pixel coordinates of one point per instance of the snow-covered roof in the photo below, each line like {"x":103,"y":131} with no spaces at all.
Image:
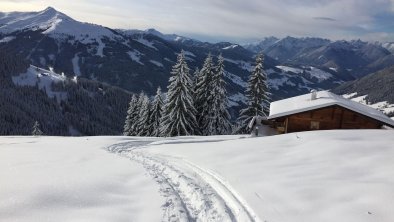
{"x":304,"y":103}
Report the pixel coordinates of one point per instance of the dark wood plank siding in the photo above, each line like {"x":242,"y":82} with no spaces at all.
{"x":334,"y":117}
{"x":352,"y":120}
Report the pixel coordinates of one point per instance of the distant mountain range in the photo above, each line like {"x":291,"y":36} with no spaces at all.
{"x":136,"y":60}
{"x":355,"y":57}
{"x":132,"y":59}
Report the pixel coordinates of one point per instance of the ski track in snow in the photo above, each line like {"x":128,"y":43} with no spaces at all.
{"x":192,"y":193}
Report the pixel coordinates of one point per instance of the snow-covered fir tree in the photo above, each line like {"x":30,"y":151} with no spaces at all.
{"x":156,"y":114}
{"x":257,"y":95}
{"x":195,"y":78}
{"x":179,"y":117}
{"x":218,"y":121}
{"x":143,"y":126}
{"x":195,"y":75}
{"x":36,"y":129}
{"x":203,"y":88}
{"x":129,"y":128}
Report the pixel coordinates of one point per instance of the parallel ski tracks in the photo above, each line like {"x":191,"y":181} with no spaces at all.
{"x":192,"y":193}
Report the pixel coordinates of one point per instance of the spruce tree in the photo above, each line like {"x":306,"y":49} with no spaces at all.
{"x":195,"y":78}
{"x":156,"y":114}
{"x":143,"y":127}
{"x":179,"y":112}
{"x":218,"y":121}
{"x":203,"y":88}
{"x":36,"y":129}
{"x":132,"y":114}
{"x":257,"y":95}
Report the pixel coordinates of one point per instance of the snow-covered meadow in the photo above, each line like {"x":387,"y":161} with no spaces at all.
{"x":333,"y":175}
{"x":72,"y":179}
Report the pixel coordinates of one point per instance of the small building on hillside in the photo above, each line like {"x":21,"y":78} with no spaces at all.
{"x":324,"y":110}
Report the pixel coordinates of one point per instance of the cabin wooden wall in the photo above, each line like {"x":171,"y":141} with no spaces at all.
{"x":334,"y":117}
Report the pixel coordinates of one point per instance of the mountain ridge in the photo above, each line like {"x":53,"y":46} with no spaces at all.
{"x":131,"y":59}
{"x":137,"y":60}
{"x":112,"y":64}
{"x":355,"y":57}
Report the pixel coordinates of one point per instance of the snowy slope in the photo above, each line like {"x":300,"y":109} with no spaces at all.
{"x":135,"y":56}
{"x":291,"y":177}
{"x":72,"y":179}
{"x":43,"y":79}
{"x":313,"y":72}
{"x":232,"y":46}
{"x":242,"y":64}
{"x":54,"y":23}
{"x":7,"y":39}
{"x":389,"y":46}
{"x":384,"y":106}
{"x":312,"y":176}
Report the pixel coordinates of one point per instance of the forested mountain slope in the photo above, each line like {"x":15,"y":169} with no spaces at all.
{"x":85,"y":107}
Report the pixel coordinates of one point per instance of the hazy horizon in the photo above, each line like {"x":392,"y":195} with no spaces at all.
{"x":233,"y":21}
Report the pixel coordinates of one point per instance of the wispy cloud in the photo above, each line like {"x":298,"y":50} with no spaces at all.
{"x":325,"y":19}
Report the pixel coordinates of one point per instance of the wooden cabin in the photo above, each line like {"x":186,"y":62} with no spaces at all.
{"x":324,"y":111}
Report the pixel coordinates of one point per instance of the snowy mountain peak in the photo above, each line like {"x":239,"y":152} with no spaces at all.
{"x":50,"y":9}
{"x":54,"y":23}
{"x":50,"y":12}
{"x":152,"y":31}
{"x":233,"y":46}
{"x":292,"y":42}
{"x":261,"y":45}
{"x":288,"y":42}
{"x":389,"y":46}
{"x":18,"y":21}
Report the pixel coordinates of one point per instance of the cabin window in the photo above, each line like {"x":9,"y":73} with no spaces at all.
{"x":315,"y":125}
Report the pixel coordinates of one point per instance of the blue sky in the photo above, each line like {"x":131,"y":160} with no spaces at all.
{"x":232,"y":20}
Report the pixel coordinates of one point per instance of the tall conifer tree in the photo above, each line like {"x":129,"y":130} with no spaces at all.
{"x":132,"y":113}
{"x":257,"y":95}
{"x":156,"y":114}
{"x":203,"y":89}
{"x":218,"y":121}
{"x":179,"y":112}
{"x":143,"y":126}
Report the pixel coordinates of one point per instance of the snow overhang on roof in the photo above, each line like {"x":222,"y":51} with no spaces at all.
{"x":304,"y":103}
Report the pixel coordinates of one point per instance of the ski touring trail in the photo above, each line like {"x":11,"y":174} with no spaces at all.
{"x":192,"y":193}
